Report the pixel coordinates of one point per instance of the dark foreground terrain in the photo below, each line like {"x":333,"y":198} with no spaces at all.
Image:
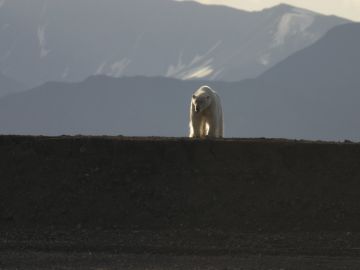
{"x":157,"y":203}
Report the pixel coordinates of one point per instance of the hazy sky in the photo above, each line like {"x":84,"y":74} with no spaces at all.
{"x":344,"y":8}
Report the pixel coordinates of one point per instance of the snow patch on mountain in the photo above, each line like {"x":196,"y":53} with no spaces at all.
{"x":100,"y":68}
{"x":216,"y":74}
{"x":41,"y":34}
{"x":293,"y":23}
{"x":115,"y":69}
{"x":265,"y":59}
{"x":199,"y":72}
{"x":198,"y":67}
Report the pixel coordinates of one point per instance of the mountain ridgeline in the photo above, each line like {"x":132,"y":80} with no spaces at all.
{"x":314,"y":94}
{"x":71,"y":40}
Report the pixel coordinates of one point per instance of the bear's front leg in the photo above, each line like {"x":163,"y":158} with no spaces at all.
{"x":195,"y":126}
{"x":213,"y":129}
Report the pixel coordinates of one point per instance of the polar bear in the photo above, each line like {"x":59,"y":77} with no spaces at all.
{"x":206,"y":116}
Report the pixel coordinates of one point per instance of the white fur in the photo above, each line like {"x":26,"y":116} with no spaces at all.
{"x":206,"y":116}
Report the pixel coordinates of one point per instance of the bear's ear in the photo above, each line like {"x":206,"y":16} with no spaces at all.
{"x":194,"y":96}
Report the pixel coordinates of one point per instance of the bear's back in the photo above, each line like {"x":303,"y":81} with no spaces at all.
{"x":205,"y":90}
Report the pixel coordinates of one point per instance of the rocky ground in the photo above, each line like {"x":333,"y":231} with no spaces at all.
{"x":166,"y":203}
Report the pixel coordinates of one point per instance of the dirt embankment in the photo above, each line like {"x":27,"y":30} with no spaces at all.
{"x":159,"y":183}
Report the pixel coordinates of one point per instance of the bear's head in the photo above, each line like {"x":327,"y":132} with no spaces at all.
{"x":201,"y":102}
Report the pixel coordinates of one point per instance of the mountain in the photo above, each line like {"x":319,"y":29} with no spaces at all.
{"x":317,"y":90}
{"x":70,"y":40}
{"x":329,"y":63}
{"x":9,"y":86}
{"x":314,"y":94}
